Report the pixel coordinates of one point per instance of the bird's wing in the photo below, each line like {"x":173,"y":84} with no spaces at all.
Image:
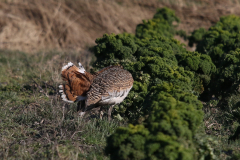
{"x":77,"y":83}
{"x":113,"y":82}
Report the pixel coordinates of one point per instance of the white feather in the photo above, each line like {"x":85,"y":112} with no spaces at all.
{"x":67,"y":66}
{"x":65,"y":99}
{"x":81,"y":69}
{"x":115,"y":97}
{"x":60,"y":86}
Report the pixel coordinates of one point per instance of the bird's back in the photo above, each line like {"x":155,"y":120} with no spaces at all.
{"x":110,"y":86}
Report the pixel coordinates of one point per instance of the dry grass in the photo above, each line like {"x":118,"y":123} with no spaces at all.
{"x":34,"y":122}
{"x":31,"y":25}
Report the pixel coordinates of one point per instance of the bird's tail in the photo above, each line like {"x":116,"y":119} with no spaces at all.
{"x":77,"y":83}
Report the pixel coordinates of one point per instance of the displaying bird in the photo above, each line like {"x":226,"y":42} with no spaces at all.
{"x":109,"y":86}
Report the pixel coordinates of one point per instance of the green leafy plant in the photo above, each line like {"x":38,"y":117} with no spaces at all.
{"x":160,"y":25}
{"x":152,"y":61}
{"x":163,"y":102}
{"x":222,"y":43}
{"x":166,"y":134}
{"x":196,"y":36}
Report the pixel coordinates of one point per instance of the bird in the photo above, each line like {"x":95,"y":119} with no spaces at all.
{"x":108,"y":86}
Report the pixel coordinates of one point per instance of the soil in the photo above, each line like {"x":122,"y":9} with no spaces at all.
{"x":30,"y":25}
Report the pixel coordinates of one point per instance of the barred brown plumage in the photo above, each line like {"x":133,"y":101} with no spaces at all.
{"x":109,"y":86}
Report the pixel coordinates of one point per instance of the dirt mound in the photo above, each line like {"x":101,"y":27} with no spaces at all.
{"x":30,"y":25}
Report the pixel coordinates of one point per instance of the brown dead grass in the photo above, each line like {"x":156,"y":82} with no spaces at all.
{"x":32,"y":25}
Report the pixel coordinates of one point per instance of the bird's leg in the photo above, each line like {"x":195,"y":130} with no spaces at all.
{"x":81,"y":108}
{"x":110,"y":112}
{"x":101,"y":112}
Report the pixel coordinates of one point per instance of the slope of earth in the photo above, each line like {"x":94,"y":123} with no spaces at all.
{"x":30,"y":26}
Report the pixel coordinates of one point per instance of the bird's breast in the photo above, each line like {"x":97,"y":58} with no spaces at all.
{"x":114,"y":97}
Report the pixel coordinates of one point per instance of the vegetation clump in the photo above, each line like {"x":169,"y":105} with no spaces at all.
{"x":222,"y":43}
{"x":166,"y":134}
{"x":152,"y":61}
{"x":168,"y":79}
{"x":196,"y":36}
{"x":160,"y":25}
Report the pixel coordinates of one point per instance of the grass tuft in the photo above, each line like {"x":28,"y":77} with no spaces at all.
{"x":34,"y":122}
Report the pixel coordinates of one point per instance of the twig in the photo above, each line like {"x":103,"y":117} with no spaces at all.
{"x":86,"y":146}
{"x":50,"y":86}
{"x":40,"y":87}
{"x":75,"y":133}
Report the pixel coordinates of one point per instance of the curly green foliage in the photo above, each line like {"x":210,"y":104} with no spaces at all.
{"x":166,"y":134}
{"x":228,"y":74}
{"x":229,"y":25}
{"x":160,"y":25}
{"x":151,"y":62}
{"x":227,"y":86}
{"x":221,"y":38}
{"x":128,"y":143}
{"x":217,"y":43}
{"x":182,"y":34}
{"x":166,"y":14}
{"x":230,"y":66}
{"x":168,"y":97}
{"x":201,"y":64}
{"x":115,"y":49}
{"x":196,"y":36}
{"x":160,"y":70}
{"x":172,"y":50}
{"x":221,"y":43}
{"x":167,"y":79}
{"x":127,"y":50}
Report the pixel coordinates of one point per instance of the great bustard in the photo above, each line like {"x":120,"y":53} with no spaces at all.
{"x":109,"y":86}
